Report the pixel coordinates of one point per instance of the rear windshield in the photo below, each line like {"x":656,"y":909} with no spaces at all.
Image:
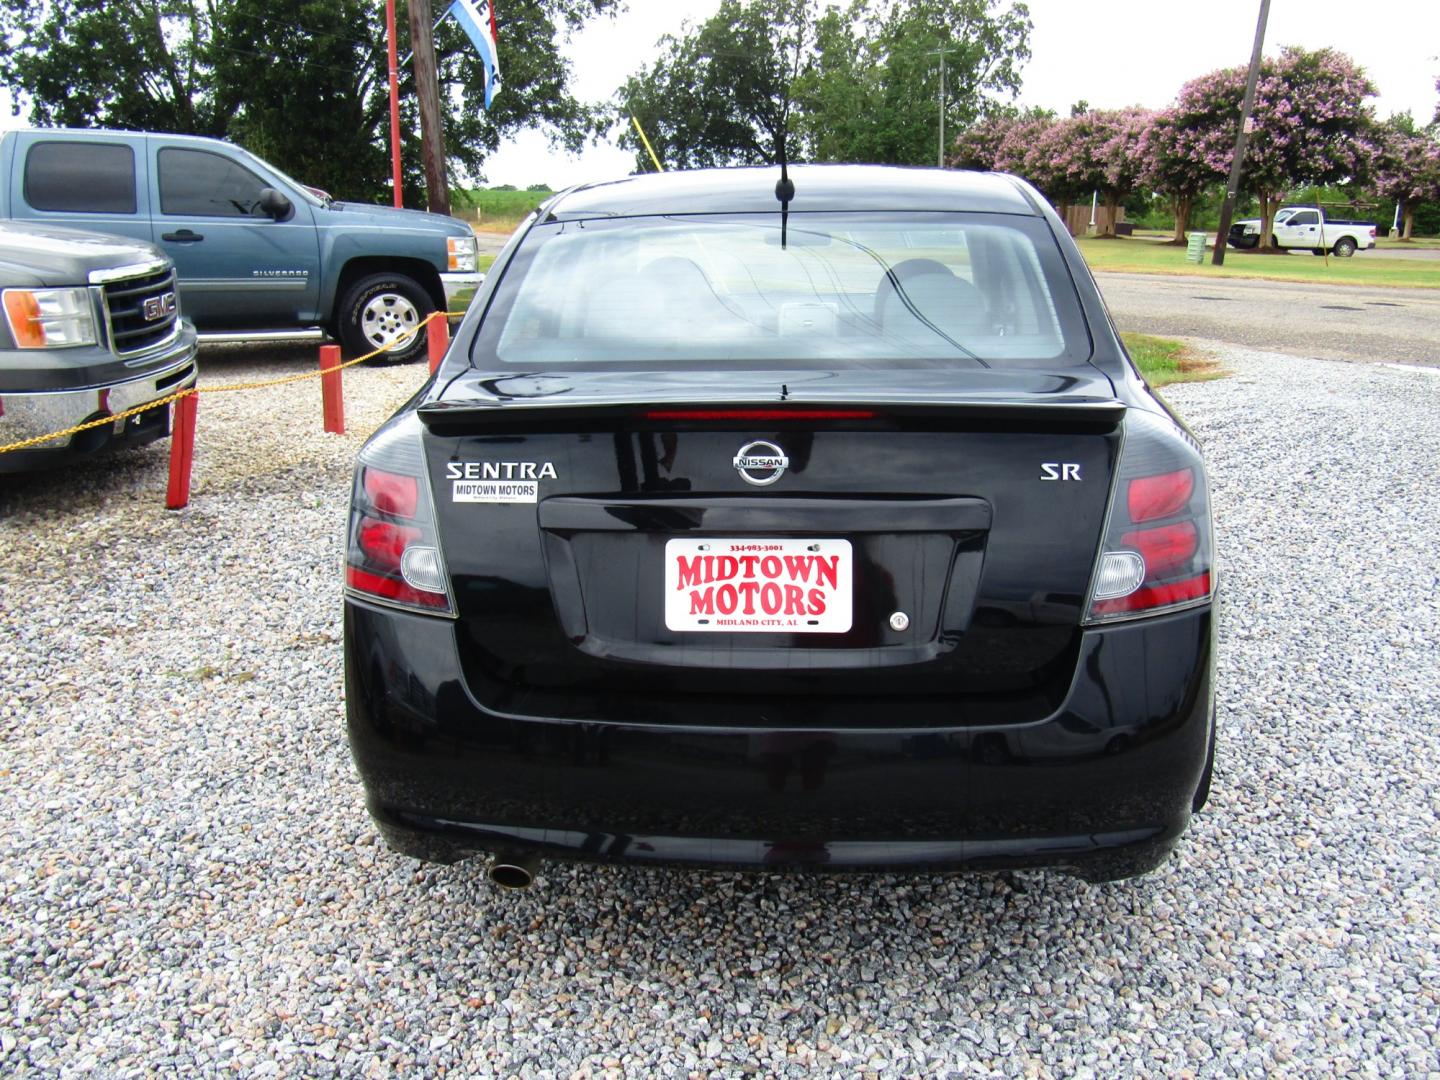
{"x":844,"y":290}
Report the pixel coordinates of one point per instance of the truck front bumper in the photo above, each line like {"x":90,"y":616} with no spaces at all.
{"x":460,"y":289}
{"x":27,"y":414}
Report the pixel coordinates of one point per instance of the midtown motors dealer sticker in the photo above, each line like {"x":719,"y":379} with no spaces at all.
{"x":497,"y":481}
{"x":758,"y":586}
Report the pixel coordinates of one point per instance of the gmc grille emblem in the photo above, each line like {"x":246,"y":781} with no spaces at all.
{"x":157,"y":307}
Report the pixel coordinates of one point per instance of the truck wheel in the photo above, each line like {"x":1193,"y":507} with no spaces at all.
{"x":1344,"y":247}
{"x":380,"y":308}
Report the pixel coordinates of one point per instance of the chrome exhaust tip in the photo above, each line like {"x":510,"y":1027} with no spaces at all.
{"x":512,"y":871}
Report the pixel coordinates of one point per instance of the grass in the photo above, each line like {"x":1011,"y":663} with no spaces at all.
{"x":1411,"y":244}
{"x":1143,"y":255}
{"x":1162,"y":360}
{"x":497,"y":211}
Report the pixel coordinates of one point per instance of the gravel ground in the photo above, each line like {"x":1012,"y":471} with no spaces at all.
{"x":190,"y":883}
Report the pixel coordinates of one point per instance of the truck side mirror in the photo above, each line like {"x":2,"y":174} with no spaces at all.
{"x":275,"y":204}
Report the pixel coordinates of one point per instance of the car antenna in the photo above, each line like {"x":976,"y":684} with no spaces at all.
{"x":784,"y":191}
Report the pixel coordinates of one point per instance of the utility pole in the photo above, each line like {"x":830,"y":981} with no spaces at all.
{"x":942,"y":53}
{"x":394,"y":78}
{"x":427,"y":91}
{"x":1232,"y":187}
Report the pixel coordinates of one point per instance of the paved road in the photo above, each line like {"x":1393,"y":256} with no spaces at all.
{"x":490,"y":243}
{"x":1337,"y":322}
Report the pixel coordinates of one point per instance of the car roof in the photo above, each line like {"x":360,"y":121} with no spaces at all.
{"x":817,"y":187}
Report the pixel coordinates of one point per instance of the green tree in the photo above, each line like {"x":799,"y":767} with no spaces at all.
{"x":299,"y":82}
{"x":823,"y":83}
{"x":722,"y":94}
{"x":874,"y":92}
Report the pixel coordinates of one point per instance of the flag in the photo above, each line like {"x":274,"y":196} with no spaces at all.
{"x":477,"y":19}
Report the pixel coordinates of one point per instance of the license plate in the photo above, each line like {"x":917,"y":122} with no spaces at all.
{"x":758,"y":586}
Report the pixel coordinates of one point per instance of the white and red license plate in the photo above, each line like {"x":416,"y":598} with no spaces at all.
{"x":758,"y":586}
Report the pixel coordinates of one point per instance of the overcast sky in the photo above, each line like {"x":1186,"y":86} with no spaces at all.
{"x":1109,"y":52}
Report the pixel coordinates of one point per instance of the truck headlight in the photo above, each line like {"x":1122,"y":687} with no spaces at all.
{"x":461,"y":250}
{"x":50,"y":318}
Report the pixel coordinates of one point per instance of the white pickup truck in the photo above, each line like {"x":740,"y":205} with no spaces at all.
{"x":1308,"y":227}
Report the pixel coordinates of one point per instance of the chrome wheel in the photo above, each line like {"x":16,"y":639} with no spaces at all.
{"x":387,"y":317}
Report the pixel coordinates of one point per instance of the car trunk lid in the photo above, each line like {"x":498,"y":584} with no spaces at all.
{"x":962,"y":513}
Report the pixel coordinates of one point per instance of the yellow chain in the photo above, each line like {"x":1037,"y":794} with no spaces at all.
{"x":25,"y":444}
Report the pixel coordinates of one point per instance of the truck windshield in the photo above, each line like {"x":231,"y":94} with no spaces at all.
{"x":851,"y":290}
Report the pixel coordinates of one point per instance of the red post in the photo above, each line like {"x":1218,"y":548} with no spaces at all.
{"x":394,"y":65}
{"x":182,"y":451}
{"x":437,"y":339}
{"x":331,"y":393}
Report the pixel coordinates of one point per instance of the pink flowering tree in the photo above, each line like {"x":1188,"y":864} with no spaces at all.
{"x":1096,"y":150}
{"x":997,"y":142}
{"x":978,"y":146}
{"x":1312,"y":124}
{"x":1407,"y":170}
{"x":1174,"y":162}
{"x":1009,"y":143}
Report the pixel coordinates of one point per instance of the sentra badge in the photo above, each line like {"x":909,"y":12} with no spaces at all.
{"x":761,"y":463}
{"x":497,"y":481}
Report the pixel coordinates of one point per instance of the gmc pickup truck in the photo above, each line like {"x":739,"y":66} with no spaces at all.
{"x":258,"y":254}
{"x":1309,"y":228}
{"x":91,"y":328}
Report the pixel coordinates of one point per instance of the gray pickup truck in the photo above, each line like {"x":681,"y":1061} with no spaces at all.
{"x":258,"y":254}
{"x":91,"y":328}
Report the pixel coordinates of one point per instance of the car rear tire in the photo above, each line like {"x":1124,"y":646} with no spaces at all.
{"x":1344,"y":247}
{"x":1124,"y":863}
{"x":1202,"y":792}
{"x":379,"y":308}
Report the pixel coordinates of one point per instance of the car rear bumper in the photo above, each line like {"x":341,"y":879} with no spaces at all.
{"x":1112,"y":774}
{"x":27,"y":414}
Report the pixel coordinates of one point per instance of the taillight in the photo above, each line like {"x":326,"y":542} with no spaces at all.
{"x":393,"y":554}
{"x":392,"y":494}
{"x":1157,"y":553}
{"x":1151,"y":497}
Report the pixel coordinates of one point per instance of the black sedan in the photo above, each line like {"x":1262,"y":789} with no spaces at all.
{"x":813,"y":523}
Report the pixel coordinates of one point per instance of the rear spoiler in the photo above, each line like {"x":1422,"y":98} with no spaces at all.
{"x":1079,"y":414}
